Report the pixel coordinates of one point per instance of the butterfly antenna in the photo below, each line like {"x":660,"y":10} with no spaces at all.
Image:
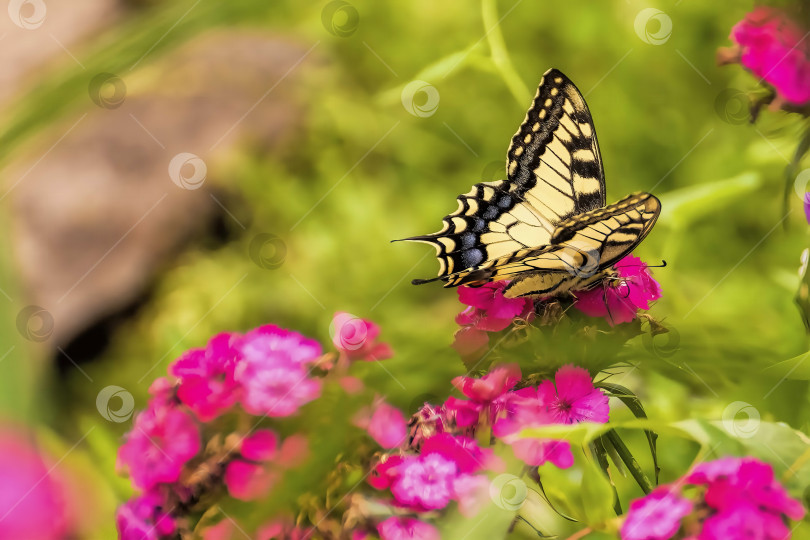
{"x":645,"y":265}
{"x":423,"y":281}
{"x":607,"y":305}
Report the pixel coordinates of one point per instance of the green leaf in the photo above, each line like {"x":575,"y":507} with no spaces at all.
{"x":600,"y":453}
{"x":682,"y":207}
{"x":597,"y":495}
{"x":797,"y":368}
{"x":612,"y":438}
{"x":634,"y":404}
{"x":792,"y":168}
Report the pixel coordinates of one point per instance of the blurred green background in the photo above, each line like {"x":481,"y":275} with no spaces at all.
{"x":354,"y":169}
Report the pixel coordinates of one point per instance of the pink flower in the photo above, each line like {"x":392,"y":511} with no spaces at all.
{"x":385,"y":472}
{"x":485,"y":393}
{"x":465,"y":413}
{"x":144,"y":518}
{"x":574,"y":399}
{"x":387,"y":426}
{"x":493,"y":305}
{"x":463,"y":451}
{"x":538,"y":451}
{"x":741,"y":499}
{"x":618,"y":301}
{"x":527,"y":408}
{"x":248,"y":476}
{"x":247,"y":481}
{"x":656,"y":516}
{"x":207,"y":385}
{"x":468,"y":340}
{"x":771,"y":47}
{"x":33,"y":498}
{"x":491,"y":386}
{"x":261,"y":445}
{"x":425,"y":482}
{"x":162,"y":440}
{"x":357,"y":338}
{"x":488,"y":311}
{"x":403,"y":528}
{"x":744,"y":520}
{"x":273,"y":374}
{"x":270,"y":343}
{"x":732,"y":481}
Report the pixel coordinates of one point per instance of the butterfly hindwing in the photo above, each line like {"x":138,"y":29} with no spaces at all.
{"x":489,"y":223}
{"x":587,"y":245}
{"x":581,"y":248}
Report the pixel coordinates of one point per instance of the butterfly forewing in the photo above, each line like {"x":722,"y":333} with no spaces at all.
{"x":554,"y":156}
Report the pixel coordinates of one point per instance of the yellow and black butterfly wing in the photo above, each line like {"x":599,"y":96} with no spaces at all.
{"x":554,"y":157}
{"x":580,"y":250}
{"x":491,"y":221}
{"x":554,"y":171}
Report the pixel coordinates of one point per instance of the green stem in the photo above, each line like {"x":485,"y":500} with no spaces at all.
{"x":793,"y":169}
{"x":628,"y":459}
{"x":500,"y":56}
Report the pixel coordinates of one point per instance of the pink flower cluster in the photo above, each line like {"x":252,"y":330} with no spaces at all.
{"x":742,"y":497}
{"x":619,"y":301}
{"x":772,"y":46}
{"x":441,"y":461}
{"x":266,"y":372}
{"x":488,"y":311}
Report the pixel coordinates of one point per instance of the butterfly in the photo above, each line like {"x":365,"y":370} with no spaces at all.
{"x":546,"y":228}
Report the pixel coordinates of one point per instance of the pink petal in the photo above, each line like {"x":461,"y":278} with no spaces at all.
{"x":261,"y":445}
{"x":491,"y":385}
{"x":294,"y":450}
{"x":388,"y":426}
{"x":248,"y":481}
{"x":403,"y":528}
{"x":468,"y":341}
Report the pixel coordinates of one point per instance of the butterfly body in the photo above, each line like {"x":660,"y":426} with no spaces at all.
{"x":545,"y":228}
